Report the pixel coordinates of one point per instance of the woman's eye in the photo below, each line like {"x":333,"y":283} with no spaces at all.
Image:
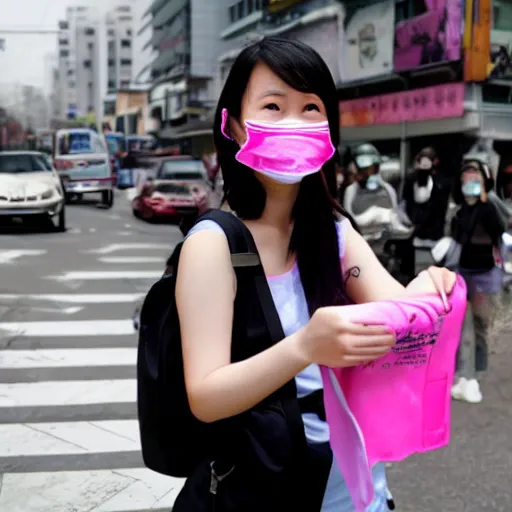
{"x":311,"y":107}
{"x":272,"y":106}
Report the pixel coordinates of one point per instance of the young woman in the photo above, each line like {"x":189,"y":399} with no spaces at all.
{"x":281,"y":91}
{"x":478,"y":228}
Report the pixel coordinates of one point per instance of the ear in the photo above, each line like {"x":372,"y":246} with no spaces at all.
{"x":237,"y":131}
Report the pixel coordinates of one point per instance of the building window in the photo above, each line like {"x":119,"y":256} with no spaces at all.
{"x":125,"y":18}
{"x":111,"y":84}
{"x":63,"y":42}
{"x":407,"y":9}
{"x":129,"y":32}
{"x":91,"y":109}
{"x":126,"y":43}
{"x":125,"y":84}
{"x":87,"y":64}
{"x":64,"y":53}
{"x":71,"y":84}
{"x":124,"y":8}
{"x":111,"y":62}
{"x":63,"y":25}
{"x":89,"y":31}
{"x":240,"y":10}
{"x":232,"y":14}
{"x":250,"y":6}
{"x":90,"y":46}
{"x":501,"y":14}
{"x":111,"y":32}
{"x":126,"y":62}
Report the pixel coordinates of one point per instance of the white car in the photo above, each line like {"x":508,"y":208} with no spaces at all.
{"x":30,"y":188}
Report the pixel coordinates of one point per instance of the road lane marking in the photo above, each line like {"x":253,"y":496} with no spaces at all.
{"x":120,"y":490}
{"x":69,"y":328}
{"x":132,"y":259}
{"x":69,"y":437}
{"x":99,"y":275}
{"x":60,"y":358}
{"x":10,"y":256}
{"x":86,"y":298}
{"x":109,"y":249}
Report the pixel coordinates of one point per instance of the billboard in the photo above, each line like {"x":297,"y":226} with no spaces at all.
{"x":438,"y":102}
{"x":430,"y":38}
{"x":500,"y":62}
{"x":368,"y":48}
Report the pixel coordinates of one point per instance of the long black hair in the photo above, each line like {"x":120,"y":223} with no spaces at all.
{"x":314,"y":237}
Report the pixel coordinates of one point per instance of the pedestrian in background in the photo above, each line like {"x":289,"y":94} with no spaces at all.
{"x":478,"y":229}
{"x":425,"y":202}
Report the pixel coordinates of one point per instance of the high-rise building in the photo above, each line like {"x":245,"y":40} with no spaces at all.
{"x":143,"y":51}
{"x":119,"y":27}
{"x":78,"y":61}
{"x":94,"y":57}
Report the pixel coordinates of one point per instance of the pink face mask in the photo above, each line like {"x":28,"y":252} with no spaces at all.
{"x":285,"y":152}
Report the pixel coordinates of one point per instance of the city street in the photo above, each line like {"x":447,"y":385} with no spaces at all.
{"x":69,"y":437}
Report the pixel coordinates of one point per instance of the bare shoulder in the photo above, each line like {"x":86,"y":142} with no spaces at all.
{"x":205,"y":263}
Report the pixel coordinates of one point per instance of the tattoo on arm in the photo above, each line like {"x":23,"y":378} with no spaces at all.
{"x":351,"y":272}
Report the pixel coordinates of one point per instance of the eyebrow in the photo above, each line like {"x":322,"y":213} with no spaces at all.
{"x":272,"y":92}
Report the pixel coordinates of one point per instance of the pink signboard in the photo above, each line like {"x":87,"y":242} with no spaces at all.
{"x":432,"y":37}
{"x":438,"y":102}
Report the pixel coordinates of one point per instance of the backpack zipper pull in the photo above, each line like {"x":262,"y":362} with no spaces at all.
{"x":216,"y":479}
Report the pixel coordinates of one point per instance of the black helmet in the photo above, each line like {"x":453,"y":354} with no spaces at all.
{"x":366,"y":155}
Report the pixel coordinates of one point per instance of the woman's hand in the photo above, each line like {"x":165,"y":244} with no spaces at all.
{"x":434,"y":279}
{"x":331,"y":341}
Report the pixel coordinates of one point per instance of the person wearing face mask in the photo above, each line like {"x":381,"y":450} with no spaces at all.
{"x":425,"y":202}
{"x":276,"y":131}
{"x":369,"y":199}
{"x":477,"y":227}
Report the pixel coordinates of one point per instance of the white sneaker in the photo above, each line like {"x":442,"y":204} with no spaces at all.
{"x":467,"y":390}
{"x":457,"y":388}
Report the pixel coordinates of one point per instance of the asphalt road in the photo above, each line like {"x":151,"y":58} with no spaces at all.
{"x":68,"y":430}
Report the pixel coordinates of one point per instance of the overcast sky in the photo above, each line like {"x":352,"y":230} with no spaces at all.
{"x":23,"y":60}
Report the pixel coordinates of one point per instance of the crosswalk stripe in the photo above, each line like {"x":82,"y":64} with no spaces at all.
{"x":122,"y":490}
{"x":67,"y":393}
{"x":109,"y":249}
{"x":69,"y":438}
{"x":73,"y":357}
{"x":69,"y":328}
{"x":12,"y":342}
{"x":101,"y":275}
{"x":85,"y":298}
{"x":131,"y":259}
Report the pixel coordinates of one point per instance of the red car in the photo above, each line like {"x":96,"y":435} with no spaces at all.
{"x":178,"y":189}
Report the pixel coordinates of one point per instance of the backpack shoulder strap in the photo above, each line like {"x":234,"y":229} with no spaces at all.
{"x":244,"y":253}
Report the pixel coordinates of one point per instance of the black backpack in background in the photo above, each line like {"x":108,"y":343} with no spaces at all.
{"x":173,"y":440}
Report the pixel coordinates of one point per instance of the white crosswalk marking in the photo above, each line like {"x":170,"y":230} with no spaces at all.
{"x":12,"y":255}
{"x":69,"y":435}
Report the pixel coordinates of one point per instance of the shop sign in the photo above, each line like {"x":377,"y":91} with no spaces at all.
{"x":500,"y":64}
{"x":369,"y":38}
{"x":279,"y":5}
{"x":477,"y":40}
{"x":438,"y":102}
{"x":430,"y":38}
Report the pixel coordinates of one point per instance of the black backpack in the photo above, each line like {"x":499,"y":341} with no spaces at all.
{"x":173,"y":440}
